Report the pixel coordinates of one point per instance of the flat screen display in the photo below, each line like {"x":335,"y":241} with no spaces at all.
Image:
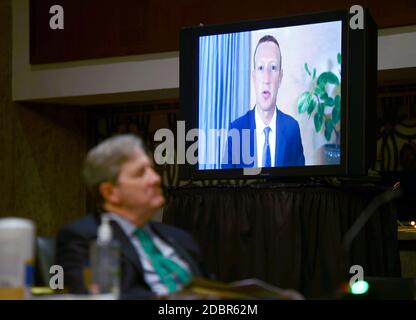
{"x":270,"y":97}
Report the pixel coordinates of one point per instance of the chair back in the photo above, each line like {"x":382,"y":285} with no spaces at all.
{"x":45,"y":258}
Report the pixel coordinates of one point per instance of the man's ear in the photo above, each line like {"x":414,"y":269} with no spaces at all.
{"x":280,"y":77}
{"x":108,"y":192}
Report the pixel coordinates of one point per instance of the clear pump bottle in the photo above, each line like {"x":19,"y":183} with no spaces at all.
{"x":105,"y":262}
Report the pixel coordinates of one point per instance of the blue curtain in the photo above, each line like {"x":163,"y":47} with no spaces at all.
{"x":224,"y":91}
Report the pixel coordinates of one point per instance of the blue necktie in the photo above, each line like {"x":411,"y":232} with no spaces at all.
{"x":267,"y":159}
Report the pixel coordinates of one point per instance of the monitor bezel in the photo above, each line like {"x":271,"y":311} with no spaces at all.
{"x":189,"y":84}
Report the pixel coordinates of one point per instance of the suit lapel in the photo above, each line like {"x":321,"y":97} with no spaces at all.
{"x":127,"y":248}
{"x":279,"y":156}
{"x":180,"y":251}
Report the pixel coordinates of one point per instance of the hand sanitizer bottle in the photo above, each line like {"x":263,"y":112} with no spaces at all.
{"x":105,"y":262}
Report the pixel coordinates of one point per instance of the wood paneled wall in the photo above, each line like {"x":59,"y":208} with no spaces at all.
{"x":42,"y":150}
{"x":97,"y":29}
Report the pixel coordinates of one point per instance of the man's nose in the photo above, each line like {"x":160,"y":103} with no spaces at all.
{"x":266,"y":76}
{"x":154,"y":177}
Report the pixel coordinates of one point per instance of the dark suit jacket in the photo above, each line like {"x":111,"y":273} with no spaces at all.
{"x":289,"y":149}
{"x":72,"y":254}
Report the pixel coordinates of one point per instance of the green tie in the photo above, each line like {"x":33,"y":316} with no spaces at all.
{"x":171,"y":274}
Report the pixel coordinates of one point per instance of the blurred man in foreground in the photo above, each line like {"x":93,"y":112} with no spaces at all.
{"x":156,"y":259}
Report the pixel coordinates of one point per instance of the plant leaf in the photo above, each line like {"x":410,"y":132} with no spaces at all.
{"x":329,"y":127}
{"x":336,"y":115}
{"x":319,"y":90}
{"x":318,"y":119}
{"x":321,"y":108}
{"x":314,"y":74}
{"x":329,"y":101}
{"x":312,"y":104}
{"x":307,"y":103}
{"x":303,"y":102}
{"x":327,"y":77}
{"x":324,"y":96}
{"x":336,"y":112}
{"x":339,"y":57}
{"x":337,"y":102}
{"x":307,"y":69}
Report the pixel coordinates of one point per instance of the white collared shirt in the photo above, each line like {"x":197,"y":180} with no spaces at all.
{"x":150,"y":276}
{"x":261,"y":137}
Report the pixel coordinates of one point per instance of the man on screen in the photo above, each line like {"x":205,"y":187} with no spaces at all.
{"x":265,"y":136}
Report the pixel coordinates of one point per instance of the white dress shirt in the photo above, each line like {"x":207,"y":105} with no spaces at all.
{"x":261,"y":137}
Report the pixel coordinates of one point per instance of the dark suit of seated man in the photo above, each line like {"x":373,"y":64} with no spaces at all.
{"x":120,"y":173}
{"x":264,"y":136}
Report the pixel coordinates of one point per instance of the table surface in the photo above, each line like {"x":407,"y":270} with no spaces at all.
{"x":407,"y":233}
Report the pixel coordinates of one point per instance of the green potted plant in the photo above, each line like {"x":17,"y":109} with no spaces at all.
{"x":323,"y":103}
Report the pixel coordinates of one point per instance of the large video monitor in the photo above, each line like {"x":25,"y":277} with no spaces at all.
{"x":292,"y":96}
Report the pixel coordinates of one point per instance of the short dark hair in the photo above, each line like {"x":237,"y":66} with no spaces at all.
{"x":103,"y":162}
{"x":267,"y":38}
